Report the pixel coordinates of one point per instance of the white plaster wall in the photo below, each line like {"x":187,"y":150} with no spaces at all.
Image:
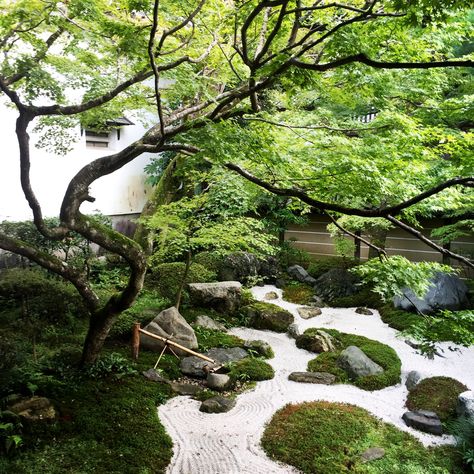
{"x":122,"y":192}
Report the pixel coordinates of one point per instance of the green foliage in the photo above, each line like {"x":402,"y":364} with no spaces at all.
{"x":448,"y":233}
{"x":166,"y":278}
{"x":10,"y":432}
{"x":210,"y":260}
{"x":289,"y":255}
{"x":390,"y":276}
{"x":397,"y":318}
{"x":42,"y":299}
{"x":438,"y":394}
{"x":298,"y":293}
{"x":111,"y":364}
{"x":208,"y":338}
{"x":380,"y":353}
{"x":251,"y":369}
{"x":325,"y":438}
{"x":454,"y":326}
{"x":146,"y":307}
{"x":463,"y":430}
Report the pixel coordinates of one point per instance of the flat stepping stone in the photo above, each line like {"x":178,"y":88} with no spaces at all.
{"x":312,"y":377}
{"x":372,"y":454}
{"x":423,"y":420}
{"x":307,"y":312}
{"x":185,"y":388}
{"x":217,"y":405}
{"x":364,"y":310}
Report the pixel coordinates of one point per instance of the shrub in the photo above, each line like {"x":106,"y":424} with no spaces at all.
{"x":251,"y":369}
{"x":438,"y":394}
{"x":111,"y":364}
{"x":212,"y":261}
{"x":166,"y":278}
{"x":41,"y":297}
{"x":397,"y":318}
{"x":380,"y":353}
{"x":289,"y":255}
{"x":328,"y":438}
{"x":318,"y":267}
{"x":463,"y":430}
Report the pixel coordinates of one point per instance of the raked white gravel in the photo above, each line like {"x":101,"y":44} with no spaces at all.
{"x":229,"y":443}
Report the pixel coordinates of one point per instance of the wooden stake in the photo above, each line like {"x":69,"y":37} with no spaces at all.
{"x":179,"y":346}
{"x":161,"y":355}
{"x":136,"y":341}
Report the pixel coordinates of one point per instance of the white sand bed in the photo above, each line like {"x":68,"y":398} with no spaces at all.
{"x":229,"y":443}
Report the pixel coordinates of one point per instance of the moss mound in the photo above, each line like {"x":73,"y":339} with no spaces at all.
{"x":251,"y":369}
{"x":329,"y":438}
{"x":380,"y":353}
{"x":298,"y":293}
{"x":438,"y":394}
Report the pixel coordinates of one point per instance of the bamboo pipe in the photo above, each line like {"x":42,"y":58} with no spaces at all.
{"x":179,"y":346}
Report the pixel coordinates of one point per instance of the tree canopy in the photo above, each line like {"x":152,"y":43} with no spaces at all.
{"x":270,"y":89}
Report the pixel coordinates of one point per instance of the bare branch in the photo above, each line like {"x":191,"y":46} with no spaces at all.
{"x":428,"y":242}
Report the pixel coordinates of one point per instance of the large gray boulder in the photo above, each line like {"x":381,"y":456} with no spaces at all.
{"x":465,"y":406}
{"x":239,"y":266}
{"x":356,"y":364}
{"x":445,"y":292}
{"x":424,"y":420}
{"x":223,"y":296}
{"x":209,"y":323}
{"x":170,"y":325}
{"x":194,"y":366}
{"x":336,"y":283}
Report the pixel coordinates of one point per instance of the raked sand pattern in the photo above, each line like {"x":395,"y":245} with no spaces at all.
{"x":229,"y":443}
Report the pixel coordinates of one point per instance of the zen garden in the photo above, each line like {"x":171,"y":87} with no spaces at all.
{"x":289,"y":286}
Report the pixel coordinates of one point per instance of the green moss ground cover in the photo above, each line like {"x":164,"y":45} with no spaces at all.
{"x":298,"y":293}
{"x":328,"y":438}
{"x":438,"y":394}
{"x":251,"y":369}
{"x":380,"y":353}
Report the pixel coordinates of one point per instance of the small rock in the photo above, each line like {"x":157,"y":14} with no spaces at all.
{"x":219,"y":382}
{"x":271,"y":295}
{"x":217,"y":405}
{"x":307,"y":312}
{"x":356,"y":364}
{"x":185,"y":388}
{"x":262,"y":348}
{"x":35,"y":409}
{"x":294,"y":330}
{"x":319,"y":342}
{"x":209,"y":323}
{"x":154,"y":376}
{"x":465,"y":406}
{"x":422,"y":420}
{"x":312,"y":377}
{"x":372,"y":454}
{"x":364,"y":310}
{"x":413,"y":378}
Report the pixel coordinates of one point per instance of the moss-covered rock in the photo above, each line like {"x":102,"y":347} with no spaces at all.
{"x":438,"y":394}
{"x":381,"y":354}
{"x":267,"y":316}
{"x":298,"y":293}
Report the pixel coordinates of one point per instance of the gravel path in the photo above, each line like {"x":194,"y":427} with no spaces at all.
{"x":229,"y":443}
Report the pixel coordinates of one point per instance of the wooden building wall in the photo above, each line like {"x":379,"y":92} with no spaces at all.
{"x":315,"y":239}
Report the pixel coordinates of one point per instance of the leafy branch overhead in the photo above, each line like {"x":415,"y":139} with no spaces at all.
{"x":196,"y":71}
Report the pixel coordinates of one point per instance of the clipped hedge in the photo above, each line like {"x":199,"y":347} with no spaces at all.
{"x":380,"y":353}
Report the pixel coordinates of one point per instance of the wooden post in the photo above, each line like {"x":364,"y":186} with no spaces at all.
{"x":135,"y":341}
